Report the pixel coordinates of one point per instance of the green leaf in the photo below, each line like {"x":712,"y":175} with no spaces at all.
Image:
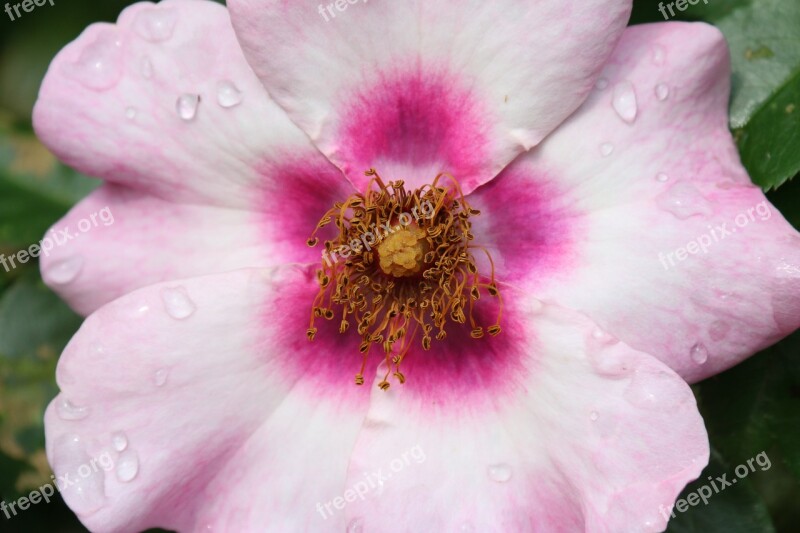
{"x":35,"y":191}
{"x":34,"y":327}
{"x":787,"y":200}
{"x":769,"y":145}
{"x":33,"y":320}
{"x":786,"y":418}
{"x":734,"y":509}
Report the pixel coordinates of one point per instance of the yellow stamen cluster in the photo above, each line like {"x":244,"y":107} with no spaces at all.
{"x":401,"y":264}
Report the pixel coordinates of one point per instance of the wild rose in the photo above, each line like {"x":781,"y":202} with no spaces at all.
{"x":541,"y":341}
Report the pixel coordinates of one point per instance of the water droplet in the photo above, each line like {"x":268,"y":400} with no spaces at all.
{"x":139,"y":310}
{"x":608,"y":361}
{"x":603,"y":337}
{"x":69,"y":411}
{"x":601,"y":84}
{"x":119,"y":440}
{"x":659,"y":390}
{"x":187,"y":105}
{"x":356,"y":525}
{"x":160,"y":377}
{"x":719,"y":330}
{"x":659,"y":54}
{"x":130,"y":113}
{"x":593,"y":416}
{"x":500,"y":473}
{"x":127,"y":466}
{"x":86,"y":493}
{"x":663,"y":178}
{"x":99,"y":66}
{"x":155,"y":25}
{"x":177,"y":302}
{"x":147,"y":68}
{"x":606,"y":149}
{"x":662,"y":92}
{"x":64,"y":272}
{"x":699,"y":353}
{"x":228,"y":95}
{"x":624,"y":101}
{"x":683,"y":200}
{"x":525,"y":138}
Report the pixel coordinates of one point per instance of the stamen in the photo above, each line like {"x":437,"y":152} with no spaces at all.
{"x":401,"y":261}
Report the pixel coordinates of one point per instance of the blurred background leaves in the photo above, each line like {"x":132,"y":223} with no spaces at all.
{"x":752,"y":408}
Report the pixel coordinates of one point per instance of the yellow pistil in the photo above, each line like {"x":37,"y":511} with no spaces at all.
{"x":402,"y":254}
{"x":400,"y":267}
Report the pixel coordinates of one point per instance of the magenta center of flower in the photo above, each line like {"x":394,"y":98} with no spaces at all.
{"x":400,"y":268}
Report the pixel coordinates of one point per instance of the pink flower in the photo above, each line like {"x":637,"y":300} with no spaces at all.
{"x":631,"y":218}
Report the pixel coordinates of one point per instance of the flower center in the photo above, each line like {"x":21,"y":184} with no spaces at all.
{"x":401,"y":266}
{"x":402,"y":254}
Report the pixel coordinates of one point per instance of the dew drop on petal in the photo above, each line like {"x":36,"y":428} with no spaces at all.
{"x":594,"y":416}
{"x":662,"y":92}
{"x":127,"y":466}
{"x":661,"y":177}
{"x":177,"y":303}
{"x":138,"y":310}
{"x":608,"y":362}
{"x":155,"y":25}
{"x":147,"y":68}
{"x":67,"y":410}
{"x":66,"y":271}
{"x":659,"y":54}
{"x":719,"y":330}
{"x":356,"y":525}
{"x":499,"y":473}
{"x":601,"y":84}
{"x":187,"y":105}
{"x":86,"y":493}
{"x":683,"y":200}
{"x":160,"y":377}
{"x":99,"y":65}
{"x":130,"y":113}
{"x":119,"y":440}
{"x":606,"y":149}
{"x":699,"y":353}
{"x":228,"y":95}
{"x":658,"y":390}
{"x":624,"y":101}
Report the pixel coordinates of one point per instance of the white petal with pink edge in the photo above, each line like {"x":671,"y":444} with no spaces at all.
{"x":165,"y":102}
{"x":595,"y":437}
{"x":415,"y":88}
{"x":654,"y":228}
{"x":181,"y":407}
{"x":119,"y":239}
{"x":140,"y":240}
